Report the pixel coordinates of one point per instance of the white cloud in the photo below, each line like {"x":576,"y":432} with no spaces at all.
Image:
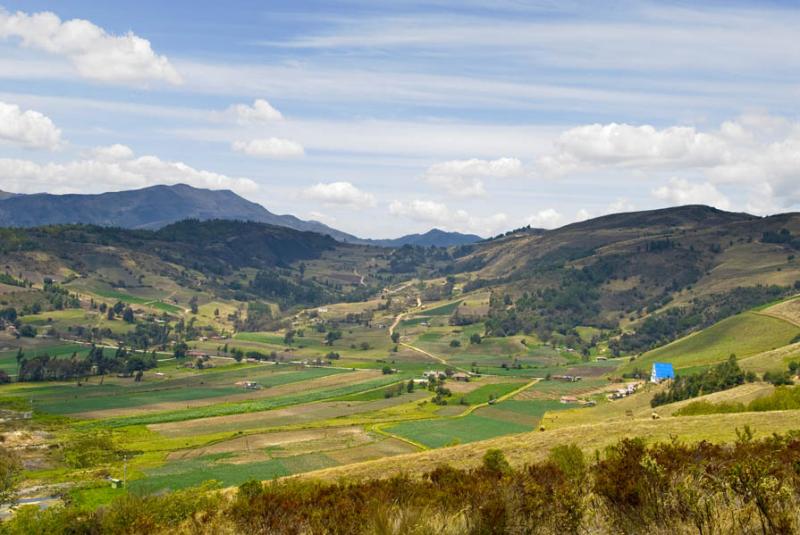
{"x":621,"y":205}
{"x":624,"y":145}
{"x":112,"y":153}
{"x":339,"y":193}
{"x":465,"y":177}
{"x":95,"y":54}
{"x":97,"y":175}
{"x":272,"y":147}
{"x":758,"y":153}
{"x":418,"y":210}
{"x":547,"y":218}
{"x":28,"y":128}
{"x":680,"y":191}
{"x":260,"y":112}
{"x":323,"y":217}
{"x":436,"y":213}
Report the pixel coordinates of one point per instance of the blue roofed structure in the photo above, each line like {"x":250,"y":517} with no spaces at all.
{"x":661,"y":372}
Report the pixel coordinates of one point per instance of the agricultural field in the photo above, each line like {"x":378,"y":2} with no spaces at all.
{"x":326,"y":406}
{"x":33,"y":347}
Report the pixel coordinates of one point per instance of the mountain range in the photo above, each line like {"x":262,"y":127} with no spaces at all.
{"x":157,"y":206}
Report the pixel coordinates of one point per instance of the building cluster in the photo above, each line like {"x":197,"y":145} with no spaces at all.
{"x":625,"y":391}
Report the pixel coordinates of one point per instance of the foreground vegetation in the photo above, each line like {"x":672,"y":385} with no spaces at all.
{"x":747,"y":487}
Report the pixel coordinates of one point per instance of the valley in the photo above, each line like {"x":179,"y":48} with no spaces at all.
{"x":216,"y":353}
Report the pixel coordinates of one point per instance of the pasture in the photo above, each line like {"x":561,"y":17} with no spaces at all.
{"x":743,"y":335}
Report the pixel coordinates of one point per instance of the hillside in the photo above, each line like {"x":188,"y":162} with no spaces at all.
{"x":682,"y":268}
{"x":209,"y":259}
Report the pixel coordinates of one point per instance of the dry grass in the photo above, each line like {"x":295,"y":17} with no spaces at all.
{"x":775,"y":359}
{"x":786,"y":310}
{"x":531,"y":447}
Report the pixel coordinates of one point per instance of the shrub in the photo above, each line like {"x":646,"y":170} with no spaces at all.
{"x":495,"y":461}
{"x":778,"y":377}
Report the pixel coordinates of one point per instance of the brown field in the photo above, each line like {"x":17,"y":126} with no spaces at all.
{"x":294,"y":415}
{"x":283,"y":443}
{"x":787,"y":311}
{"x":388,"y":447}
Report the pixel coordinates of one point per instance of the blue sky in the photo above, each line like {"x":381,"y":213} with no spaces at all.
{"x":384,"y":118}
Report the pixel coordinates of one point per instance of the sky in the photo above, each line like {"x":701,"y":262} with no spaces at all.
{"x":386,"y":118}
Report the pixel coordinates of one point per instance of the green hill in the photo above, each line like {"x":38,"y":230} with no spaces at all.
{"x":743,"y":335}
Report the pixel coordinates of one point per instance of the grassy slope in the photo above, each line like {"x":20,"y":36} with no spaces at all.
{"x":534,"y":446}
{"x":743,"y":335}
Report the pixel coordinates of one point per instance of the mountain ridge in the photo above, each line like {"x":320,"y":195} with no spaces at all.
{"x":434,"y":237}
{"x":157,"y":206}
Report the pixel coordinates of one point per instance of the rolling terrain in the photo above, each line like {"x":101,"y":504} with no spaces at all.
{"x":232,"y":350}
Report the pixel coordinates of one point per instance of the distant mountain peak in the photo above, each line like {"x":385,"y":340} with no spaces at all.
{"x":435,"y":237}
{"x":152,"y":207}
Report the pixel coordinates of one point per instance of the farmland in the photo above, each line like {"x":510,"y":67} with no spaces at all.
{"x":339,"y":389}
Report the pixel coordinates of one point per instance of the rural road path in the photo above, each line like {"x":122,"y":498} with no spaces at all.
{"x":361,"y":277}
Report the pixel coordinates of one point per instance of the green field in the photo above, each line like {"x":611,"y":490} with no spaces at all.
{"x":444,"y":310}
{"x":446,"y":432}
{"x":224,"y":409}
{"x":481,"y":394}
{"x":8,"y":359}
{"x":535,"y":407}
{"x":181,"y":474}
{"x":136,"y":300}
{"x":743,"y":335}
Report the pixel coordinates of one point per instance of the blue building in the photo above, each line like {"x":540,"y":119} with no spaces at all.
{"x":661,"y":372}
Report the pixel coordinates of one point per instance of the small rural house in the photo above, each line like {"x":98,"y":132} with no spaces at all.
{"x":433,"y":373}
{"x":460,"y":376}
{"x":569,"y":399}
{"x":661,"y":372}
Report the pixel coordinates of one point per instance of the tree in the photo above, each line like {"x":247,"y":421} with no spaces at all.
{"x":180,"y":350}
{"x":193,"y":304}
{"x":288,"y":338}
{"x":410,"y":386}
{"x":455,"y":343}
{"x":387,"y":370}
{"x":332,"y":336}
{"x":395,"y":337}
{"x":10,"y":468}
{"x":110,"y":313}
{"x":28,"y":331}
{"x":127,"y":315}
{"x":475,"y":338}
